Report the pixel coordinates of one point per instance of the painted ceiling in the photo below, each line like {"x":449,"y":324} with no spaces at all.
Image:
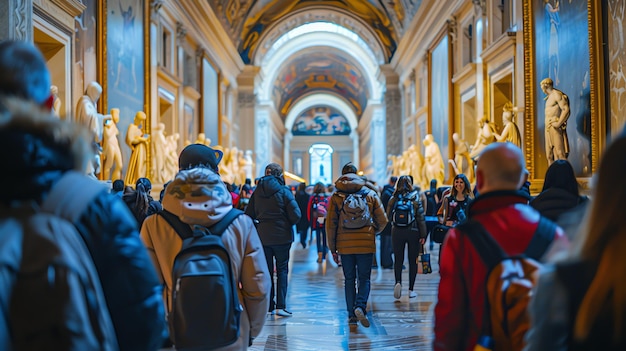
{"x":246,"y":21}
{"x":320,"y":70}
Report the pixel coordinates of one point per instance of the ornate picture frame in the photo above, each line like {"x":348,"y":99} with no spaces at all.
{"x":124,"y":62}
{"x":557,"y":41}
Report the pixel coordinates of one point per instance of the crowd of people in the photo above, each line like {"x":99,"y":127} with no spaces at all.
{"x":142,"y":261}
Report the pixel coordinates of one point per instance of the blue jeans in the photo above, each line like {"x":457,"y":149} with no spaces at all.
{"x":281,"y":253}
{"x":356,"y":265}
{"x":322,"y":246}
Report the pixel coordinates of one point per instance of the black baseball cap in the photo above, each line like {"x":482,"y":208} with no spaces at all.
{"x":195,"y":155}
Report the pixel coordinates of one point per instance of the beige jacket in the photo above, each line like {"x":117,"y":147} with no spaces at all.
{"x":353,"y":241}
{"x":198,"y":196}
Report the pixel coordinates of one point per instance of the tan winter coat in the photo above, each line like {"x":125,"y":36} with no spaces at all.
{"x":353,"y":241}
{"x":198,"y":196}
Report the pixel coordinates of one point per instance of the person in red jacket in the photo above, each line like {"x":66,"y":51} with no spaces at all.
{"x":504,"y":212}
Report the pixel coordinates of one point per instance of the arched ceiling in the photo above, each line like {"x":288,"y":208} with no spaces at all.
{"x":320,"y":70}
{"x":247,"y":21}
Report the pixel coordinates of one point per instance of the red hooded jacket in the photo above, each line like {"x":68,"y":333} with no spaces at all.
{"x":459,"y":311}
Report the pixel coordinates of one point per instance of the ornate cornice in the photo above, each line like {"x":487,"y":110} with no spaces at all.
{"x":72,"y":7}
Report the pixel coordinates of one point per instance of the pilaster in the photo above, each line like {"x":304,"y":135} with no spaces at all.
{"x":16,"y":20}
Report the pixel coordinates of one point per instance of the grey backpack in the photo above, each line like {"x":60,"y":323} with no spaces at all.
{"x":51,"y":293}
{"x":355,"y":211}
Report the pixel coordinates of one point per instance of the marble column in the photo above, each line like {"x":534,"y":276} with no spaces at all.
{"x":16,"y":20}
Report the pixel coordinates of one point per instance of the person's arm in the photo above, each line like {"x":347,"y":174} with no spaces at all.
{"x":390,"y":205}
{"x":332,"y":219}
{"x":250,"y":209}
{"x":380,"y":218}
{"x":451,"y":311}
{"x":564,"y":106}
{"x":255,"y":278}
{"x":421,"y":221}
{"x":293,"y":210}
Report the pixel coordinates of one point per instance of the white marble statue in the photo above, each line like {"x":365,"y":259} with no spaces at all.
{"x":159,"y":153}
{"x":111,"y":151}
{"x":248,"y":167}
{"x":56,"y":103}
{"x":87,"y":111}
{"x":171,"y":159}
{"x":416,"y":166}
{"x":557,"y":112}
{"x":486,"y":135}
{"x":462,"y":162}
{"x":510,"y":132}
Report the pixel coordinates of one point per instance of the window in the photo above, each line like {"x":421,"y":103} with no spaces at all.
{"x":321,"y":163}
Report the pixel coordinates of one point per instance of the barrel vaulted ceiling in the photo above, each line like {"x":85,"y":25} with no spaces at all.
{"x":320,"y":70}
{"x":253,"y":25}
{"x":246,"y":21}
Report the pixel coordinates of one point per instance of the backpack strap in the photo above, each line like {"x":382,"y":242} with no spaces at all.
{"x":488,"y":249}
{"x":219,"y":227}
{"x":183,"y":230}
{"x":543,"y":237}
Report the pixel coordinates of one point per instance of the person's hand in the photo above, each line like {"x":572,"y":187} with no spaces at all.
{"x":336,"y":257}
{"x":422,"y":241}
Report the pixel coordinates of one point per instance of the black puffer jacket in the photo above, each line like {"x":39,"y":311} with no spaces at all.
{"x":39,"y":151}
{"x":275,"y":209}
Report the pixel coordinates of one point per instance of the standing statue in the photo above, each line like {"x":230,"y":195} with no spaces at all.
{"x":486,"y":135}
{"x":202,"y":139}
{"x":159,"y":153}
{"x":87,"y":111}
{"x":510,"y":132}
{"x":234,"y":166}
{"x":111,"y":151}
{"x":248,"y":168}
{"x":462,"y":162}
{"x":416,"y":166}
{"x":433,"y":161}
{"x":138,"y":143}
{"x":56,"y":103}
{"x":557,"y":112}
{"x":171,"y":157}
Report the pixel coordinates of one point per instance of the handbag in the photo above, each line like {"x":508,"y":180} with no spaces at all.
{"x":425,"y":259}
{"x":439,"y":233}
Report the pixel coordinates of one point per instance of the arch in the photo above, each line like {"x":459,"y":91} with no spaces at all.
{"x":271,"y":66}
{"x":323,"y":99}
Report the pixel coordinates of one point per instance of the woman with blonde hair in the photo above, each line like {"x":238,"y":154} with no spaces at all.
{"x":580,"y":303}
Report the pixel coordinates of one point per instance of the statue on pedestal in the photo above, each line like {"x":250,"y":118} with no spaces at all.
{"x":557,"y":112}
{"x":111,"y":151}
{"x":416,"y":166}
{"x":486,"y":135}
{"x":87,"y":111}
{"x":248,"y":166}
{"x":138,"y":143}
{"x":433,"y":161}
{"x":510,"y":132}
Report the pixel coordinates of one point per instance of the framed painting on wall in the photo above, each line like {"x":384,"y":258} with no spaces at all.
{"x":613,"y":17}
{"x":561,"y":43}
{"x":124,"y":62}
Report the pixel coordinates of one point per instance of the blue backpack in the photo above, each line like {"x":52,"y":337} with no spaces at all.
{"x":205,"y":305}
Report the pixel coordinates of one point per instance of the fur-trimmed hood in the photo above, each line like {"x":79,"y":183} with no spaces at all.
{"x":36,"y":148}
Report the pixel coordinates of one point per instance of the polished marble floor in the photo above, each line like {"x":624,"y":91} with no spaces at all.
{"x":320,"y":320}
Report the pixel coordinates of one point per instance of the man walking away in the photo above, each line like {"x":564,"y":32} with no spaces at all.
{"x":274,"y":211}
{"x":355,"y":215}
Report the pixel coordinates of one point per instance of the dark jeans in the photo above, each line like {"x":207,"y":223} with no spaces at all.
{"x":356,"y":266}
{"x":322,"y":245}
{"x":401,"y":238}
{"x":303,"y":232}
{"x":281,"y":253}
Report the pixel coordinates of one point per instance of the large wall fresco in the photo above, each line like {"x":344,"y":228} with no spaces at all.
{"x":615,"y":58}
{"x":247,"y":21}
{"x":320,"y":71}
{"x":321,"y":120}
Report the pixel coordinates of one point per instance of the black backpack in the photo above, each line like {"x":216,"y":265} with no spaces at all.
{"x":403,"y":214}
{"x":431,"y":204}
{"x":205,"y":305}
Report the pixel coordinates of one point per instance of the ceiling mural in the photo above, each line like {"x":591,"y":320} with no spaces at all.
{"x":247,"y":21}
{"x":321,"y":120}
{"x":320,"y":70}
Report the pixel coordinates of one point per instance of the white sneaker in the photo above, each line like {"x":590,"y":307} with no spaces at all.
{"x":283,"y":313}
{"x":397,"y":291}
{"x":412,"y":294}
